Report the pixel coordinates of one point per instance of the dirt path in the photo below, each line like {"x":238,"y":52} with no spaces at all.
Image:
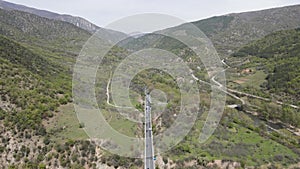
{"x":108,"y":96}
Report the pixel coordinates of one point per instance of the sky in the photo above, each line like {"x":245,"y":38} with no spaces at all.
{"x":103,"y":12}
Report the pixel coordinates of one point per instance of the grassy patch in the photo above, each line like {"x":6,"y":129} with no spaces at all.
{"x":253,"y":80}
{"x":121,"y":124}
{"x":65,"y":125}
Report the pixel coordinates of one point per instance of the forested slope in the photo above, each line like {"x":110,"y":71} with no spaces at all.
{"x":279,"y":54}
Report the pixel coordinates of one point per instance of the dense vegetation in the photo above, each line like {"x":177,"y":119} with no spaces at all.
{"x":212,"y":26}
{"x":30,"y":83}
{"x":54,"y":40}
{"x":40,"y":131}
{"x":277,"y":58}
{"x":37,"y":55}
{"x":237,"y":139}
{"x":279,"y":55}
{"x":230,"y":32}
{"x":240,"y":137}
{"x":17,"y":54}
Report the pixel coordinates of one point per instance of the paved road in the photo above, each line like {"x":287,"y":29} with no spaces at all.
{"x":149,"y":152}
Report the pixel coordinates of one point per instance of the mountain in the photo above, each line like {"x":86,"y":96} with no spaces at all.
{"x":279,"y":54}
{"x":56,"y":40}
{"x":34,"y":93}
{"x":39,"y":128}
{"x":77,"y":21}
{"x":80,"y":22}
{"x":227,"y":32}
{"x":38,"y":54}
{"x":20,"y":55}
{"x":230,"y":32}
{"x":25,"y":73}
{"x":36,"y":59}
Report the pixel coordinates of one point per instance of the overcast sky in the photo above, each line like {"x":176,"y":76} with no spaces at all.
{"x":103,"y":12}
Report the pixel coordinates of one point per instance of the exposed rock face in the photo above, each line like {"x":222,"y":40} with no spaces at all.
{"x":80,"y":22}
{"x":77,"y":21}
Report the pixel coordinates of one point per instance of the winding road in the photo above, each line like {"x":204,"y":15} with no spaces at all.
{"x":232,"y":92}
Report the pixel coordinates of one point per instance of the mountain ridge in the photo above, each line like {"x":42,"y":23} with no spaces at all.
{"x":75,"y":20}
{"x":40,"y":128}
{"x":279,"y":54}
{"x":231,"y":31}
{"x":78,"y":21}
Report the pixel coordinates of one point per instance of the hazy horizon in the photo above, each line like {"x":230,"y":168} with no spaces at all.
{"x":102,"y":13}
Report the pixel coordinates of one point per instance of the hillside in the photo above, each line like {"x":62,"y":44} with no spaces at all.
{"x":39,"y":127}
{"x":279,"y":55}
{"x":229,"y":32}
{"x":36,"y":55}
{"x":36,"y":60}
{"x":268,"y":70}
{"x":25,"y":80}
{"x":55,"y":40}
{"x":45,"y":48}
{"x":262,"y":120}
{"x":80,"y":22}
{"x":77,"y":21}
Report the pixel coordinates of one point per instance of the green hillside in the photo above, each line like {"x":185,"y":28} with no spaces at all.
{"x":279,"y":55}
{"x":54,"y":40}
{"x":39,"y":53}
{"x":229,"y":32}
{"x":30,"y":83}
{"x":214,"y":25}
{"x":36,"y":62}
{"x":244,"y":137}
{"x":18,"y":54}
{"x":39,"y":128}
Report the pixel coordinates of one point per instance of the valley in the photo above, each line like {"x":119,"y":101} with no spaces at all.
{"x":259,"y":128}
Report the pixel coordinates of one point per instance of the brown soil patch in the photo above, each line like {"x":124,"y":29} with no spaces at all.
{"x":241,"y":81}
